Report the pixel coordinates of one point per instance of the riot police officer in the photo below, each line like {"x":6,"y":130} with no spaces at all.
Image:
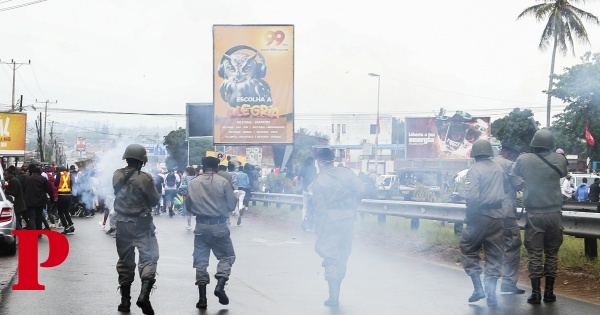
{"x":335,"y":192}
{"x":485,"y":222}
{"x":542,"y":169}
{"x":211,"y":199}
{"x":512,"y":233}
{"x":135,"y":196}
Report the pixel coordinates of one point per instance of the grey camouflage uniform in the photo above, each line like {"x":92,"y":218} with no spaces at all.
{"x":211,"y":199}
{"x":485,"y":185}
{"x":335,"y":192}
{"x":542,"y":199}
{"x":512,"y":232}
{"x":137,"y":196}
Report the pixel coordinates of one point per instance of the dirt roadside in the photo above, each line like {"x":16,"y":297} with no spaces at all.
{"x":576,"y":284}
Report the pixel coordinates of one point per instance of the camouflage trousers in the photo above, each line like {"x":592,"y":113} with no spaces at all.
{"x":129,"y":237}
{"x":334,"y":244}
{"x":486,"y":232}
{"x":512,"y":252}
{"x":543,"y":237}
{"x":216,"y":238}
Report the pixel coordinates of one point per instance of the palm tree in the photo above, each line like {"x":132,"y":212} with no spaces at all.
{"x":564,"y":21}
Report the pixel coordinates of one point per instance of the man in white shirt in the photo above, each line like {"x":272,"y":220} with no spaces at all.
{"x":567,"y":188}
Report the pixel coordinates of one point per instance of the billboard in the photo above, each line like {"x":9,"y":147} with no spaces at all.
{"x":199,"y":119}
{"x":12,"y":133}
{"x":253,"y":86}
{"x":80,"y":146}
{"x":444,"y":137}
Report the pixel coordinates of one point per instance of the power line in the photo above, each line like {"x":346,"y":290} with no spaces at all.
{"x":20,"y":5}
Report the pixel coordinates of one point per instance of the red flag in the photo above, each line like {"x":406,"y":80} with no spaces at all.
{"x":588,"y":136}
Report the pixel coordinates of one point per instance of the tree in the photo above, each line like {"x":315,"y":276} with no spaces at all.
{"x":177,"y":148}
{"x":563,"y":21}
{"x":517,"y":127}
{"x":303,"y":143}
{"x":176,"y":145}
{"x":580,"y":87}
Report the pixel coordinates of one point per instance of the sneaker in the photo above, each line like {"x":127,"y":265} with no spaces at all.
{"x":239,"y":220}
{"x":110,"y":231}
{"x":52,"y":226}
{"x":189,"y":227}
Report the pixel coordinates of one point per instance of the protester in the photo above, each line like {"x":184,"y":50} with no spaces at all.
{"x":14,"y":189}
{"x":64,"y":185}
{"x":582,"y":191}
{"x":594,"y":194}
{"x":37,"y":191}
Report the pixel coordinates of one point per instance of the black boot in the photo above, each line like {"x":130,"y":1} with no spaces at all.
{"x":125,"y":298}
{"x":536,"y":294}
{"x":220,"y":291}
{"x":143,"y":300}
{"x":202,"y":302}
{"x":549,"y":290}
{"x":490,"y":291}
{"x":334,"y":293}
{"x":478,"y":292}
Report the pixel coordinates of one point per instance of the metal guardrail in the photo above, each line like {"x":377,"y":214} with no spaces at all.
{"x":578,"y":219}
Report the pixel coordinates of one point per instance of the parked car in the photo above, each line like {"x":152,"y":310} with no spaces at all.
{"x":410,"y":180}
{"x":8,"y":223}
{"x":387,"y":186}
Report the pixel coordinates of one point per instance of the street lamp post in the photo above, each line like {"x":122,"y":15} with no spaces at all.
{"x":377,"y":125}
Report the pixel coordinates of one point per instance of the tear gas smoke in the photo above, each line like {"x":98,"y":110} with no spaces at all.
{"x":95,"y":180}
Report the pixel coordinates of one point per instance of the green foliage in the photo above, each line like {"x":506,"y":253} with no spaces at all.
{"x":579,"y":86}
{"x":516,"y":127}
{"x":177,"y":148}
{"x":563,"y":23}
{"x":303,"y":144}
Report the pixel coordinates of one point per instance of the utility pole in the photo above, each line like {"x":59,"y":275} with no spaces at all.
{"x":45,"y":116}
{"x":15,"y":65}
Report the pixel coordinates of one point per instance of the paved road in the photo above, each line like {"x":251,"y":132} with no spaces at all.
{"x":276,"y":272}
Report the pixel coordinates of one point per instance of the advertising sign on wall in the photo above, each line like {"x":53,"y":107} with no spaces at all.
{"x":444,"y":137}
{"x":13,"y":128}
{"x":253,"y":92}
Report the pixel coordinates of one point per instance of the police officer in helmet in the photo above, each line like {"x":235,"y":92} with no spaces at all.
{"x":335,"y":192}
{"x":485,"y":222}
{"x":542,"y":169}
{"x":135,"y":196}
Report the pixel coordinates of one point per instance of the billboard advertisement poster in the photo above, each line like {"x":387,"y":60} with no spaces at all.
{"x":444,"y":137}
{"x":13,"y":129}
{"x":80,"y":144}
{"x":253,"y":89}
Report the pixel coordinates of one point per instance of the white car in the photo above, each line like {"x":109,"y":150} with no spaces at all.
{"x":8,"y":223}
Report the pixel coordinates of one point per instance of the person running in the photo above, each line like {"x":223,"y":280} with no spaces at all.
{"x":64,"y":185}
{"x":335,"y":192}
{"x":211,"y":199}
{"x":135,"y":195}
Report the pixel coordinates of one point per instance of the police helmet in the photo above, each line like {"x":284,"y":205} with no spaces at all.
{"x":136,"y":151}
{"x":325,"y":154}
{"x":481,"y":147}
{"x":543,"y":138}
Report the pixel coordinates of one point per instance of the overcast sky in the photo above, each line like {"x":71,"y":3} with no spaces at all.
{"x":154,"y":56}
